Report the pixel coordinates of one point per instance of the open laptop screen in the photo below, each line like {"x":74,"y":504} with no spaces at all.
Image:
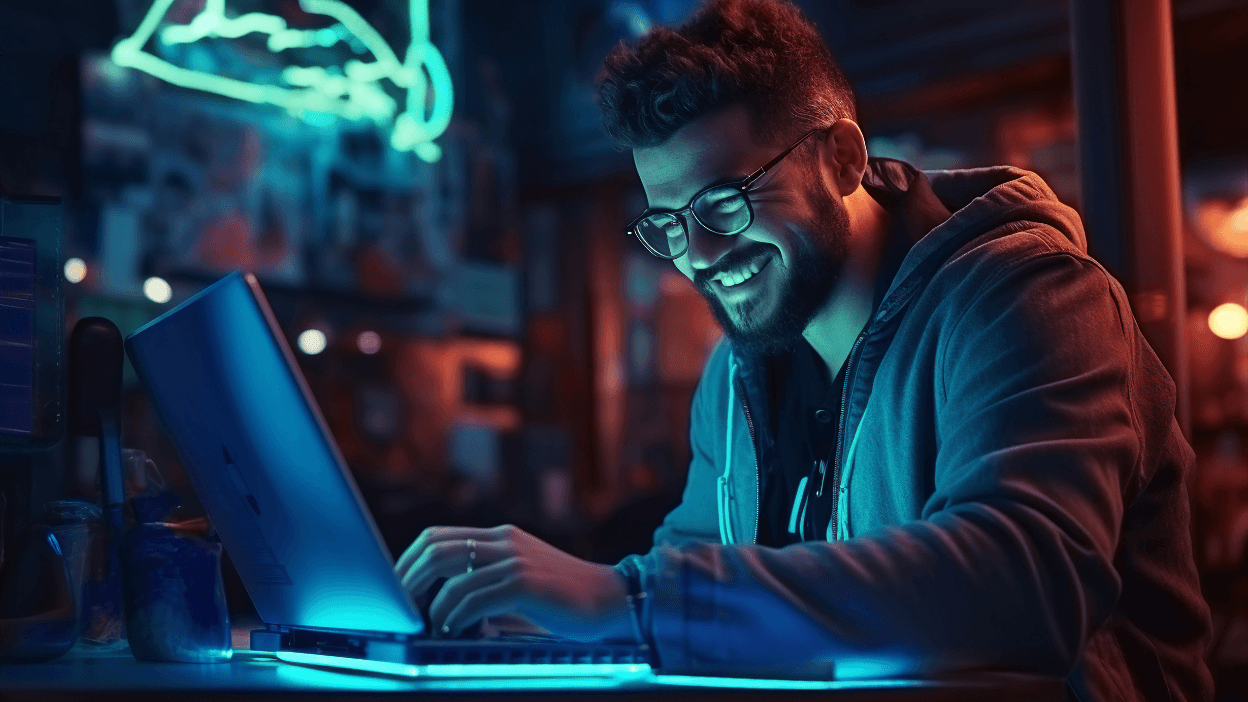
{"x":224,"y":382}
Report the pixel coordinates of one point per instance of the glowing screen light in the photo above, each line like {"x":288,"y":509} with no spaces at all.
{"x":473,"y":670}
{"x":312,"y":341}
{"x":1229,"y":321}
{"x":369,"y":342}
{"x":157,"y":290}
{"x":353,"y":91}
{"x":75,"y":270}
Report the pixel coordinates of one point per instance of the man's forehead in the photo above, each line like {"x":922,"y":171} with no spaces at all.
{"x":710,"y":149}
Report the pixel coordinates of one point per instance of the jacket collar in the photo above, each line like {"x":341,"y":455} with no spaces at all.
{"x":906,"y":194}
{"x":981,"y":199}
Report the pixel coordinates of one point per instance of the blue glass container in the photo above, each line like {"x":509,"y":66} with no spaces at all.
{"x":174,"y":596}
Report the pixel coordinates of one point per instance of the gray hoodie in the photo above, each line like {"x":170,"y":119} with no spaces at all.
{"x":1010,"y":476}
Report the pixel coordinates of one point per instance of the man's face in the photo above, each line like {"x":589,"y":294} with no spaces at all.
{"x":766,"y":283}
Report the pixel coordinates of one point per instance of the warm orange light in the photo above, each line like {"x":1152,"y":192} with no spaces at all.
{"x":1224,"y":226}
{"x":1229,"y":321}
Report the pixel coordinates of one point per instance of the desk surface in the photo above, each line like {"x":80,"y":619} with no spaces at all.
{"x":114,"y":673}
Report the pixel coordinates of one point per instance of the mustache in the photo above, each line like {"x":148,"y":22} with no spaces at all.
{"x":731,"y":261}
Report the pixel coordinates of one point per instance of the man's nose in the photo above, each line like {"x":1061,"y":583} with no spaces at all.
{"x":705,"y":246}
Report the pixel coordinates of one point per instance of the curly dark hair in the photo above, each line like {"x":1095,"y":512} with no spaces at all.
{"x":764,"y":54}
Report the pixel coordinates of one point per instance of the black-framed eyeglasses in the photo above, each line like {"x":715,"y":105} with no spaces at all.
{"x":723,"y":208}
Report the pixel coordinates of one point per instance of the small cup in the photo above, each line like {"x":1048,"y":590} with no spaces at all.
{"x":175,"y":598}
{"x":76,"y":526}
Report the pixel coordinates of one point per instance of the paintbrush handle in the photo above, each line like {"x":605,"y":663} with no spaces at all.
{"x":111,"y":478}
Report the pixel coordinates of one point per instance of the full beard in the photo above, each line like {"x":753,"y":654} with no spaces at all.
{"x":817,"y":262}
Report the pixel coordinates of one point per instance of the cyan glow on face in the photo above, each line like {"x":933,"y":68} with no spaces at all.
{"x":353,"y":92}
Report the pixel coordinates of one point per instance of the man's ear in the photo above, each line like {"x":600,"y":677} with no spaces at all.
{"x":845,"y":156}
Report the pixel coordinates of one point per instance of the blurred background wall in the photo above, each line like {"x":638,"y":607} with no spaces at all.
{"x":485,"y":342}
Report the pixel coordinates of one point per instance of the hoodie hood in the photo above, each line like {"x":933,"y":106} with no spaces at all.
{"x":974,"y":194}
{"x":979,"y":201}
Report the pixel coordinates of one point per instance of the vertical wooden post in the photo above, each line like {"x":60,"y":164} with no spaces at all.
{"x":1123,"y":75}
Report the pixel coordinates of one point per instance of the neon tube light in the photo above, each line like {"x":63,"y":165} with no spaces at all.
{"x":356,"y":94}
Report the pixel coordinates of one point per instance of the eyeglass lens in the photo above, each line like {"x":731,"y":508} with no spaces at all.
{"x":664,"y":233}
{"x":721,"y":210}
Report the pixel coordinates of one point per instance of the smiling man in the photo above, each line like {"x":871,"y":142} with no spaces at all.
{"x":934,"y":439}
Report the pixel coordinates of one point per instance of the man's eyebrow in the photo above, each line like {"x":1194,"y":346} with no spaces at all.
{"x":702,"y":186}
{"x":666,"y":203}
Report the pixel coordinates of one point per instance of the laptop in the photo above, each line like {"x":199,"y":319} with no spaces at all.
{"x":261,"y":458}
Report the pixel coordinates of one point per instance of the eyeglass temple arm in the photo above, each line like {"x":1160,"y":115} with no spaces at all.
{"x":762,"y":171}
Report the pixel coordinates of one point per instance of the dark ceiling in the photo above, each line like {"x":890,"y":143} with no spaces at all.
{"x":906,"y":58}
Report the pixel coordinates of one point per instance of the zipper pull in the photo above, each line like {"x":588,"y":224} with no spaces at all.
{"x":823,"y":476}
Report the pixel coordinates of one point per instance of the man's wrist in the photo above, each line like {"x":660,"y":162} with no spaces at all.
{"x":612,"y":604}
{"x":635,"y":598}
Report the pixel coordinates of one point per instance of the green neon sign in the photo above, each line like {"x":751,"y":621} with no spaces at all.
{"x":354,"y":93}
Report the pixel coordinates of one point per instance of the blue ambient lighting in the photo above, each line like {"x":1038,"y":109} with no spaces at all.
{"x":368,"y":666}
{"x":630,"y":673}
{"x":310,"y":676}
{"x":279,"y":429}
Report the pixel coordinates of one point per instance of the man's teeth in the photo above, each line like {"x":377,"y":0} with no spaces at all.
{"x":731,"y":278}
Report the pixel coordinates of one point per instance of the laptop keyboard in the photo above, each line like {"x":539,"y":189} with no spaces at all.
{"x":520,"y":650}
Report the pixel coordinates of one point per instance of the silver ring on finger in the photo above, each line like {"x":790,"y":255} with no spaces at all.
{"x":472,"y":553}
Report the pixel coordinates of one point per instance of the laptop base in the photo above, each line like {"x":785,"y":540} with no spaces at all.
{"x":404,"y":650}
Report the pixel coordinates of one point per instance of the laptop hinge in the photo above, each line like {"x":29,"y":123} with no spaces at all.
{"x":270,"y":638}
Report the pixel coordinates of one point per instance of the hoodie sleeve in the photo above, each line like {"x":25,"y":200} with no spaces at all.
{"x":1011,"y":563}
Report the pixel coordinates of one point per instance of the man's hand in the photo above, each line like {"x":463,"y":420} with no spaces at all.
{"x":514,"y":573}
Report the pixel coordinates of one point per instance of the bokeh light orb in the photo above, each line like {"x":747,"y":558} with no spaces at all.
{"x":312,"y":341}
{"x":1229,"y":321}
{"x":369,"y":342}
{"x":157,"y":290}
{"x":75,"y":270}
{"x":1224,"y":225}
